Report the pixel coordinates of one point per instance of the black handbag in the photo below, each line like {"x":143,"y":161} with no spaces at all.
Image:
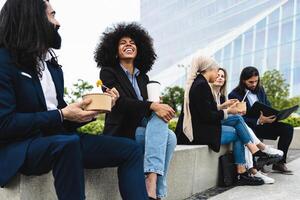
{"x":227,"y":170}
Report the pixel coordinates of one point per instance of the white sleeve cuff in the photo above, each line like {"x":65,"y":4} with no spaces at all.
{"x":225,"y":113}
{"x":61,"y":115}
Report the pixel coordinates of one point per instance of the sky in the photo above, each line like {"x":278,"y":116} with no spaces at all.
{"x":81,"y":27}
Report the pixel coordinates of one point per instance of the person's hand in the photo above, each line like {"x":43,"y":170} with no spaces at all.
{"x":266,"y":120}
{"x":114,"y":94}
{"x":228,"y":103}
{"x":163,"y":111}
{"x":74,"y":112}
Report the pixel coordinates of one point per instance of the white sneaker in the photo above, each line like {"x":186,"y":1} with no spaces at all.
{"x":272,"y":151}
{"x":264,"y":177}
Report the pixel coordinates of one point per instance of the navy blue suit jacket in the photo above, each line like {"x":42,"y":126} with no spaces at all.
{"x":262,"y":97}
{"x":23,"y":113}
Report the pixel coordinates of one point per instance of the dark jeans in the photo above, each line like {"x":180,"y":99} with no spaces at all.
{"x":277,"y":129}
{"x":68,"y":155}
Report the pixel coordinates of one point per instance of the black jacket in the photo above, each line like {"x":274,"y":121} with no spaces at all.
{"x":128,"y":112}
{"x":206,"y":119}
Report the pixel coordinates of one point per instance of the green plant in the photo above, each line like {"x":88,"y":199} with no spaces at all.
{"x":94,"y":128}
{"x":173,"y":96}
{"x":80,"y":88}
{"x":293,"y":121}
{"x":276,"y":88}
{"x":172,"y":124}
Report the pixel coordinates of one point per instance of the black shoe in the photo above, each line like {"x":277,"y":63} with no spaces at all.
{"x":281,"y":168}
{"x":260,"y":159}
{"x":260,"y":162}
{"x":247,"y":179}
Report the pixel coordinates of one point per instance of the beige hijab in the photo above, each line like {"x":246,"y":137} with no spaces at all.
{"x":199,"y":65}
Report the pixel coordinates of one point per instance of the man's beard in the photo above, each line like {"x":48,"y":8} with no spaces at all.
{"x":55,"y":41}
{"x":254,"y":90}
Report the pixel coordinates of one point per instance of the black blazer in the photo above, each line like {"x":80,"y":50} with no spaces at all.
{"x":262,"y":97}
{"x":206,"y":118}
{"x":128,"y":112}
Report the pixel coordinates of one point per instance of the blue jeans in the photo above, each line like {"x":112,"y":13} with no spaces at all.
{"x":159,"y":144}
{"x":228,"y":136}
{"x":235,"y":130}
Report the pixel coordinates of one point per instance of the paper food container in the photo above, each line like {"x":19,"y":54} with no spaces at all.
{"x":100,"y":102}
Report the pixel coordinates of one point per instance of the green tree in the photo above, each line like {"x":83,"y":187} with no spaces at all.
{"x":80,"y":88}
{"x":277,"y":90}
{"x":173,"y":96}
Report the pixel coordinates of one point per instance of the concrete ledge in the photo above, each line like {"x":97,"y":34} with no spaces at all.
{"x":295,"y":142}
{"x":193,"y":169}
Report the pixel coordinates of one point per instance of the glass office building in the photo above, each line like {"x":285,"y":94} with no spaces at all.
{"x":238,"y":33}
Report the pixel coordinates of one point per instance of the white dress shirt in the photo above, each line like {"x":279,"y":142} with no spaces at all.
{"x":252,"y":98}
{"x":48,"y":88}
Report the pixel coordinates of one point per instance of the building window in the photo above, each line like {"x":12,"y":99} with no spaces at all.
{"x":288,"y":9}
{"x":298,"y":26}
{"x":237,"y":46}
{"x":287,"y":31}
{"x":273,"y":35}
{"x":260,"y":39}
{"x":248,"y":41}
{"x":271,"y":58}
{"x":274,"y":17}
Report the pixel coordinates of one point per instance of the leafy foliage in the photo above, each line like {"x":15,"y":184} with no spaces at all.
{"x":94,"y":128}
{"x":173,"y":96}
{"x":293,"y":121}
{"x":277,"y":90}
{"x":172,"y":124}
{"x":80,"y":88}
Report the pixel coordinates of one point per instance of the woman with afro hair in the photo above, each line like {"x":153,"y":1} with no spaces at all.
{"x":125,"y":55}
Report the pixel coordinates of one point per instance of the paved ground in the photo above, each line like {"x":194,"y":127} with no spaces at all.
{"x":286,"y":186}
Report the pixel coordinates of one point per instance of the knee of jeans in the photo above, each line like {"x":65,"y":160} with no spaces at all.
{"x":157,"y":118}
{"x":140,"y":131}
{"x":172,"y":139}
{"x":140,"y":135}
{"x":239,"y":117}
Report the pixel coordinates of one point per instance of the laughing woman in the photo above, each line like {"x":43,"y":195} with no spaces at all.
{"x":125,"y":55}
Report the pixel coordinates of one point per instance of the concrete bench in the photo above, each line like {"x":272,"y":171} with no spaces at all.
{"x":193,"y":169}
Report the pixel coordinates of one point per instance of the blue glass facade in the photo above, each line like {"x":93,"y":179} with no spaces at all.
{"x":182,"y":27}
{"x":273,"y":43}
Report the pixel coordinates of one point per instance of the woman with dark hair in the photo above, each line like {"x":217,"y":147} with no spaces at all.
{"x":125,"y":55}
{"x":219,"y":92}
